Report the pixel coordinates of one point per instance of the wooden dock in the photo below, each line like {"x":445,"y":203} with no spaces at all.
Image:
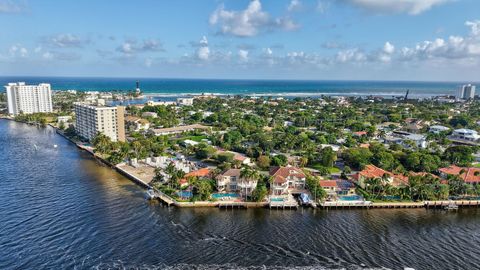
{"x":283,"y":205}
{"x":459,"y":203}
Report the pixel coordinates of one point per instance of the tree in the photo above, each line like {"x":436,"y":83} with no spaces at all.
{"x":314,"y":187}
{"x":279,"y":160}
{"x":460,"y":155}
{"x":327,"y":157}
{"x":259,"y":193}
{"x":102,"y":143}
{"x":357,"y":157}
{"x":263,"y":162}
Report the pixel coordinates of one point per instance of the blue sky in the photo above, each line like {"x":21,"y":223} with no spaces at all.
{"x":258,"y":39}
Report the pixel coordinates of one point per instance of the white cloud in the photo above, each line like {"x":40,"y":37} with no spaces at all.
{"x":249,"y":22}
{"x":131,"y":47}
{"x":412,"y":7}
{"x":17,"y":51}
{"x":350,"y":55}
{"x":243,"y":55}
{"x":455,"y":47}
{"x":203,"y":52}
{"x":268,"y":51}
{"x":66,"y":41}
{"x":9,"y":6}
{"x":294,"y":5}
{"x":148,"y":62}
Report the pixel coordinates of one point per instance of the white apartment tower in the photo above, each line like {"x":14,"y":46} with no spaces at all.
{"x":466,"y":91}
{"x":28,"y":99}
{"x":92,"y":119}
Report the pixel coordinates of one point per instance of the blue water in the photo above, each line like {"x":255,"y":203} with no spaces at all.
{"x":276,"y":199}
{"x":176,"y":87}
{"x":225,"y":195}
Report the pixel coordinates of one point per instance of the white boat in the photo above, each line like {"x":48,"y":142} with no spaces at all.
{"x":451,"y":206}
{"x":150,"y":194}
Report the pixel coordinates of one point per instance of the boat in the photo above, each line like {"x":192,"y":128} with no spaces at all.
{"x":55,"y":146}
{"x":304,"y":199}
{"x":150,"y":194}
{"x":451,"y":206}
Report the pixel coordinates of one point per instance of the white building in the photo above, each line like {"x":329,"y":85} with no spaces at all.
{"x":230,"y":181}
{"x":466,"y":91}
{"x":27,"y":99}
{"x":92,"y":119}
{"x":437,"y":129}
{"x":185,"y":101}
{"x":465,"y":134}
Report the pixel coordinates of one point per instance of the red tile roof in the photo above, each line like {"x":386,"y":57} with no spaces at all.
{"x":360,"y":133}
{"x":468,"y":175}
{"x":281,"y":174}
{"x":203,"y":172}
{"x":328,"y":183}
{"x":372,"y":171}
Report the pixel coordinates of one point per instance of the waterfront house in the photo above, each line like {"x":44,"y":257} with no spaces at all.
{"x":287,"y":179}
{"x":203,"y":173}
{"x":330,"y":186}
{"x":470,"y":175}
{"x":230,"y":181}
{"x":373,"y":172}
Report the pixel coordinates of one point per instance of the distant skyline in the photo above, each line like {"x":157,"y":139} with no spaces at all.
{"x":414,"y":40}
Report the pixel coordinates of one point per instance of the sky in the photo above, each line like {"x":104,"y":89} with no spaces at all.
{"x":416,"y":40}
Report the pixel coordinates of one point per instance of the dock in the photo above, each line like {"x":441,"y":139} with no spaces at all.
{"x":459,"y":203}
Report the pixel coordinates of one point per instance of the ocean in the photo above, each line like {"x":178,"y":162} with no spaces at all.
{"x":287,"y":88}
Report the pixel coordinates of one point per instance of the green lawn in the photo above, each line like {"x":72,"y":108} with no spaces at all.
{"x":331,"y":169}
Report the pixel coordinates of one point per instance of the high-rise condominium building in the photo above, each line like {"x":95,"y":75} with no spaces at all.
{"x":92,"y":119}
{"x":466,"y":91}
{"x":22,"y":98}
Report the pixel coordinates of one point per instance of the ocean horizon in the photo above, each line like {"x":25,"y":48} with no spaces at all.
{"x":288,"y":88}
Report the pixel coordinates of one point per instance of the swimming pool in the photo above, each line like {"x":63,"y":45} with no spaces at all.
{"x":184,"y":194}
{"x":276,"y":199}
{"x":351,"y":198}
{"x":225,"y":195}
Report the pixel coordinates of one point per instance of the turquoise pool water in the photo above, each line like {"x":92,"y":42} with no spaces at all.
{"x":276,"y":199}
{"x":184,"y":194}
{"x":223,"y":195}
{"x":350,"y":198}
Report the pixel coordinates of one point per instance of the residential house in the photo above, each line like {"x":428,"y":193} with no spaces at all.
{"x":236,"y":156}
{"x":470,"y":175}
{"x":437,"y":129}
{"x":230,"y":181}
{"x":419,"y":140}
{"x":373,"y":172}
{"x":465,"y":134}
{"x":203,"y":173}
{"x":330,"y":186}
{"x":287,"y":178}
{"x":150,"y":114}
{"x":134,"y":123}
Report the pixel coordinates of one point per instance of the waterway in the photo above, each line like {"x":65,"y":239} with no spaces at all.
{"x":61,"y":209}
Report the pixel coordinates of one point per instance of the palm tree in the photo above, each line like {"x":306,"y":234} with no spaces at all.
{"x":248,"y":175}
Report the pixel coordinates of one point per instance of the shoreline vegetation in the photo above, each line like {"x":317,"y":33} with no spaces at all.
{"x":345,"y":152}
